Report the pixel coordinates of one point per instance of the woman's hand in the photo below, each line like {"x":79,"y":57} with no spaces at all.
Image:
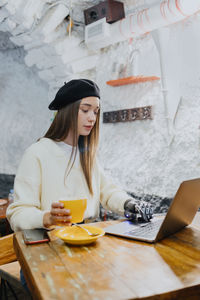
{"x":57,"y":216}
{"x":138,"y":212}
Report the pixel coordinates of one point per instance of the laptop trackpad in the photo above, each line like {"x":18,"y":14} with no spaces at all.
{"x":121,"y":227}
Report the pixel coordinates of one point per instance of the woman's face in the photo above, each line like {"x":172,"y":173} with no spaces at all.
{"x":87,"y":115}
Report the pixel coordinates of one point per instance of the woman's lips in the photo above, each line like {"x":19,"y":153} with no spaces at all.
{"x":88,"y":127}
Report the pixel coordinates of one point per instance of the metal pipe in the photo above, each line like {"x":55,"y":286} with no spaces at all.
{"x":146,"y":20}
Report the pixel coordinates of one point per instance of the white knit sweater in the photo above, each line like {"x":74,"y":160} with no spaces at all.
{"x":42,"y":179}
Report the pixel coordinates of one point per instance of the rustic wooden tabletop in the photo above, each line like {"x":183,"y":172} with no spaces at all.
{"x":114,"y":267}
{"x":3,"y":207}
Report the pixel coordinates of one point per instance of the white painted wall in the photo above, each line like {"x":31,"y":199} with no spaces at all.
{"x":141,"y":159}
{"x":136,"y":154}
{"x":24,"y":116}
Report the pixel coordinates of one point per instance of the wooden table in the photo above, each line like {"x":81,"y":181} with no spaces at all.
{"x":114,"y":268}
{"x":3,"y":209}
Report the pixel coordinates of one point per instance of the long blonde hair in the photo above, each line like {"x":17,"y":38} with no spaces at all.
{"x":66,"y":120}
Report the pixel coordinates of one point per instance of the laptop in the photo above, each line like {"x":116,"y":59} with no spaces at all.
{"x":180,"y":214}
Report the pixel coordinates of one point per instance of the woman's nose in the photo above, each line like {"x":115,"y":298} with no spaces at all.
{"x":92,"y":117}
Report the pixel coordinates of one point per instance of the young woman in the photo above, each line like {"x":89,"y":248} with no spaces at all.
{"x":63,"y":165}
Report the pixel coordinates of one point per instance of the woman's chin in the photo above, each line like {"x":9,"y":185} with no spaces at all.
{"x":85,"y":133}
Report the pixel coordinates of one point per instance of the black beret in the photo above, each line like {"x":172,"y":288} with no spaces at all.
{"x":74,"y":90}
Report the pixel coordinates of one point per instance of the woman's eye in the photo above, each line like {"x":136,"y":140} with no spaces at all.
{"x":96,"y":112}
{"x":85,"y":111}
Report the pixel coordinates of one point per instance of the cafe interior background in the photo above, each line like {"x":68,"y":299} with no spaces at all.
{"x":147,"y":65}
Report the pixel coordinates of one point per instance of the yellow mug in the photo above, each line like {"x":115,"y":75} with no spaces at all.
{"x":77,"y":208}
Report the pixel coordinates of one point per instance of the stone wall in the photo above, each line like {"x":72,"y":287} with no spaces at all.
{"x":24,"y":116}
{"x":138,"y":155}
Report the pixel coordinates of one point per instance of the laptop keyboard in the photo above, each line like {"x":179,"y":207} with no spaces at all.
{"x":146,"y":230}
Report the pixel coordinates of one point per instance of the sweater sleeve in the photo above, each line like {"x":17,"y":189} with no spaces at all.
{"x":25,"y":212}
{"x":111,"y":196}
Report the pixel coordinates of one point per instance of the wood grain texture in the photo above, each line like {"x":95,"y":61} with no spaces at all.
{"x":3,"y":209}
{"x":114,"y":267}
{"x":7,"y":253}
{"x":12,"y":268}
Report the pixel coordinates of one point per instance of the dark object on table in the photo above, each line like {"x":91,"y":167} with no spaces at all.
{"x":35,"y":236}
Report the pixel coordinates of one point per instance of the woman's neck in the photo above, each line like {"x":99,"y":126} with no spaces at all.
{"x":69,"y":140}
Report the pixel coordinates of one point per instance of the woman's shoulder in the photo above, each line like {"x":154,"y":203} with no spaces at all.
{"x":43,"y":146}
